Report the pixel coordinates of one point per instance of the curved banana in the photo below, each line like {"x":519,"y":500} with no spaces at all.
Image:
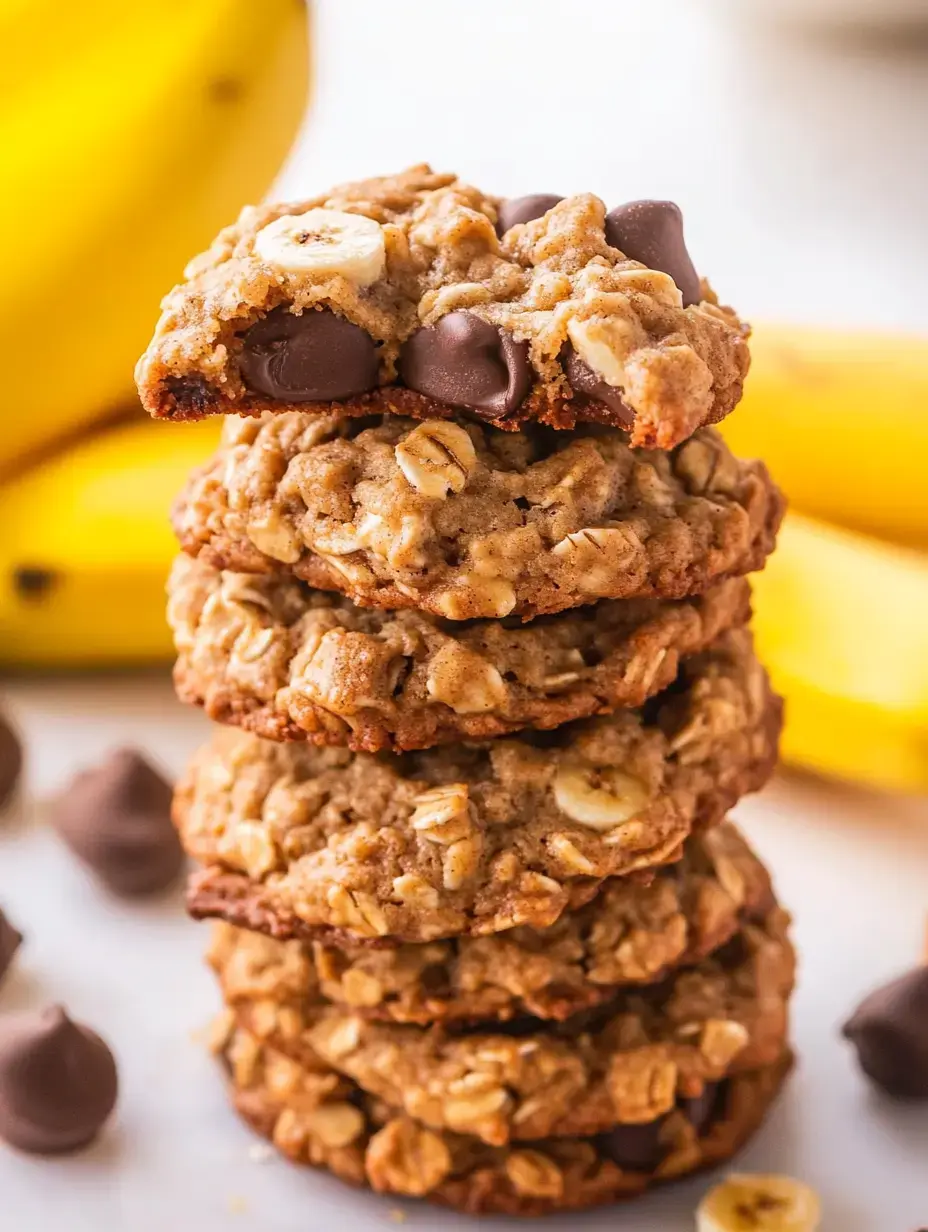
{"x":139,"y":131}
{"x":85,"y":548}
{"x":840,"y":621}
{"x":841,"y":419}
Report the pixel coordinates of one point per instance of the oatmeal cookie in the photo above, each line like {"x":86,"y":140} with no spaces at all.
{"x":416,"y":293}
{"x":634,"y":932}
{"x":269,"y":654}
{"x":625,"y":1063}
{"x":473,"y":838}
{"x":364,"y":1142}
{"x":466,"y":522}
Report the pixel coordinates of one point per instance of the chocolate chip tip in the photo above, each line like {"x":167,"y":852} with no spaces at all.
{"x":651,"y":231}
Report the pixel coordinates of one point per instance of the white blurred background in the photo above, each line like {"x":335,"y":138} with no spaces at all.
{"x":797,"y":150}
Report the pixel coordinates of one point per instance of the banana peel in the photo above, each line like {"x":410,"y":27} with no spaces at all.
{"x":85,"y":548}
{"x":840,"y":622}
{"x":841,"y":419}
{"x":135,"y":133}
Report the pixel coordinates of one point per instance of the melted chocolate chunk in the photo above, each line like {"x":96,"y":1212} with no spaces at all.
{"x":116,"y":818}
{"x":585,"y":383}
{"x":639,"y":1148}
{"x":699,"y":1110}
{"x":314,"y":357}
{"x":889,"y":1030}
{"x":635,"y":1148}
{"x":652,"y":232}
{"x":58,"y":1082}
{"x":524,"y":209}
{"x":465,"y":361}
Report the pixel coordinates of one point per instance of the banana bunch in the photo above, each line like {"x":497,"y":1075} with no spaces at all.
{"x":135,"y":134}
{"x":842,"y":607}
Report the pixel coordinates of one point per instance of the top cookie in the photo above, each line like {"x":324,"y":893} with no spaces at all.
{"x":418,"y":293}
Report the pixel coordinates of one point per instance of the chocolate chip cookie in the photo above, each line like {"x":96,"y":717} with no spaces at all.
{"x":474,"y":838}
{"x":417,"y":293}
{"x":269,"y":654}
{"x":313,"y":1116}
{"x":633,"y":932}
{"x":467,"y":522}
{"x":627,"y":1062}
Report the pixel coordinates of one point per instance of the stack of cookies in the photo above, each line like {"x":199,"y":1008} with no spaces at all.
{"x":465,"y":581}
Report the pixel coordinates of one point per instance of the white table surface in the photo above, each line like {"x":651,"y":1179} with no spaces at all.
{"x":802,"y":173}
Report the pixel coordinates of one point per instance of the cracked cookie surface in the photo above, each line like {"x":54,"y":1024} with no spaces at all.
{"x":633,"y":932}
{"x":467,"y":522}
{"x":269,"y":654}
{"x":335,"y":300}
{"x":479,"y":838}
{"x":314,"y":1116}
{"x":626,"y":1063}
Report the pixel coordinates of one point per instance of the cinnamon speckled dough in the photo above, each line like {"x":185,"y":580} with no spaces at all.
{"x":271,"y":655}
{"x":633,"y":932}
{"x":472,"y":839}
{"x":626,"y":1063}
{"x":313,"y":1116}
{"x":677,"y":368}
{"x":468,"y":522}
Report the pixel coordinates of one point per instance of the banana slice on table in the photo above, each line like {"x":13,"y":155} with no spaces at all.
{"x":325,"y":242}
{"x":751,"y":1203}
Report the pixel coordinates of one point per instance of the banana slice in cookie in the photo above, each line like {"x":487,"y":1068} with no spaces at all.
{"x":325,"y":242}
{"x":754,"y":1203}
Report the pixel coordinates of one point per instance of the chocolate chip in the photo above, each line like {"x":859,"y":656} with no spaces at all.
{"x":11,"y":761}
{"x":191,"y":394}
{"x":652,"y":232}
{"x":584,"y":382}
{"x":636,"y":1148}
{"x":889,"y":1030}
{"x":58,"y":1082}
{"x":467,"y":362}
{"x":314,"y":357}
{"x":10,"y":941}
{"x":116,"y":818}
{"x":524,"y":209}
{"x":700,"y":1109}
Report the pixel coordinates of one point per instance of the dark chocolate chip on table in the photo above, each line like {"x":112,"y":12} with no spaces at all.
{"x":10,"y":941}
{"x":889,"y":1030}
{"x":467,"y":362}
{"x":652,"y":232}
{"x":316,"y":356}
{"x":116,"y":818}
{"x":58,"y":1082}
{"x":524,"y":209}
{"x":585,"y":382}
{"x":11,"y":760}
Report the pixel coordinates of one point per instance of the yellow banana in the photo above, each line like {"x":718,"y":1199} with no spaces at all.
{"x":85,"y":547}
{"x":130,"y":134}
{"x":841,"y":419}
{"x":840,"y":621}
